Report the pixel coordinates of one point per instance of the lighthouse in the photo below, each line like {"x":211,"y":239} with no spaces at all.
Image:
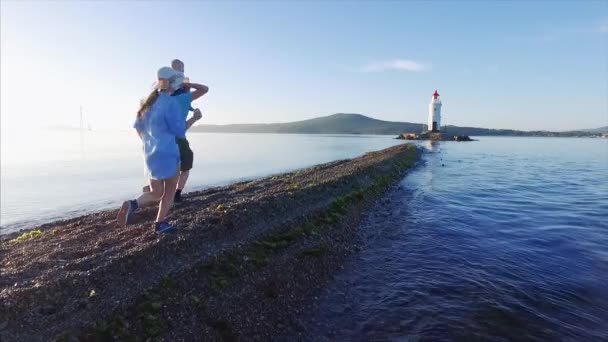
{"x":435,"y":113}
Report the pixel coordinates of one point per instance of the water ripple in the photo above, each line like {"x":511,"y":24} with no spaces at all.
{"x":499,"y":240}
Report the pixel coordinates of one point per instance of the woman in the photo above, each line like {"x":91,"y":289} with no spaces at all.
{"x":158,"y":123}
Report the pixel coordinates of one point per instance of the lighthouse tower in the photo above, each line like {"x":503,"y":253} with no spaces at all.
{"x":435,"y":113}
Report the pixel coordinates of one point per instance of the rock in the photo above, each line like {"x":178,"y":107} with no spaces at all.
{"x":300,"y":326}
{"x":47,"y":310}
{"x":408,"y":136}
{"x":462,"y":138}
{"x":81,"y":304}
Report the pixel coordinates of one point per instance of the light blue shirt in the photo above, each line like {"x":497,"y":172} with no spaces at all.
{"x":184,"y":101}
{"x":159,"y":127}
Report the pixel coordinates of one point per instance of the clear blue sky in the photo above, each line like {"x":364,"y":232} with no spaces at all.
{"x":498,"y":64}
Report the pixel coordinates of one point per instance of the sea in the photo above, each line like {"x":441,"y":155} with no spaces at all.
{"x":500,"y":239}
{"x":60,"y":173}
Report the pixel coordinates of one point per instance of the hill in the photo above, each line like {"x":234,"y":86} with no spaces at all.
{"x":332,"y":124}
{"x":360,"y":124}
{"x":599,"y":130}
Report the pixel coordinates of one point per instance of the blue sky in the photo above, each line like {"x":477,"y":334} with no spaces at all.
{"x":521,"y":65}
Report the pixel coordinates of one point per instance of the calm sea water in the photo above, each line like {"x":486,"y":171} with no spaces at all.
{"x":51,"y":174}
{"x":496,"y":240}
{"x":504,"y":239}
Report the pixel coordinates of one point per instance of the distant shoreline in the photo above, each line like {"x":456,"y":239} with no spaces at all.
{"x":392,"y":135}
{"x":522,"y":135}
{"x":358,"y":124}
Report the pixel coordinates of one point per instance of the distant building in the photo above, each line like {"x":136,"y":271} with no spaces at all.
{"x":435,"y":113}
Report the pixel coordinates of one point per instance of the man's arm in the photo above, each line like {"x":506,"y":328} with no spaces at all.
{"x":197,"y":116}
{"x":199,"y":89}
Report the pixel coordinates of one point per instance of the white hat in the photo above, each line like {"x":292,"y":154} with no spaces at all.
{"x":179,"y":79}
{"x":166,"y":73}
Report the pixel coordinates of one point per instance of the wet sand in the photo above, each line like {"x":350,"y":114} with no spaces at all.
{"x":245,"y":261}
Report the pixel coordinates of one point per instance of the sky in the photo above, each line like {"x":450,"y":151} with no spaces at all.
{"x":497,"y":64}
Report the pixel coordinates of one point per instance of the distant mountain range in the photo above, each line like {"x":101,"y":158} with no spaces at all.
{"x":361,"y":124}
{"x":599,"y":130}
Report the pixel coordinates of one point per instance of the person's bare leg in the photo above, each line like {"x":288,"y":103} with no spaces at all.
{"x":167,"y":199}
{"x":181,"y":184}
{"x":127,"y":208}
{"x":153,"y":195}
{"x":147,"y":179}
{"x":183,"y":178}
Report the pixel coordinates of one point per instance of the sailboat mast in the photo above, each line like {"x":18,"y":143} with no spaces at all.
{"x":81,"y":133}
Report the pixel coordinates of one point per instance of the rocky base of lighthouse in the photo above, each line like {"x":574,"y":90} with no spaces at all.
{"x":435,"y":136}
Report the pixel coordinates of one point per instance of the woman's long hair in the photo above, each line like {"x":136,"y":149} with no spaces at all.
{"x":147,"y":103}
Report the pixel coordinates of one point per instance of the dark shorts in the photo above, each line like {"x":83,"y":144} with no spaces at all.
{"x":185,"y":153}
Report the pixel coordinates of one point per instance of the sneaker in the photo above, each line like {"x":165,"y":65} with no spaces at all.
{"x":127,"y":208}
{"x":178,"y":196}
{"x":163,"y":227}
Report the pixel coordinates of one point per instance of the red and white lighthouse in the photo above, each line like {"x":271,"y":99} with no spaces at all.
{"x":435,"y":113}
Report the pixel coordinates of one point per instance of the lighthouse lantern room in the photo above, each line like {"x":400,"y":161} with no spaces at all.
{"x":435,"y":113}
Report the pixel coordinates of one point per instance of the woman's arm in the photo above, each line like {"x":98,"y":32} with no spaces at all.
{"x":139,"y":127}
{"x":199,"y":89}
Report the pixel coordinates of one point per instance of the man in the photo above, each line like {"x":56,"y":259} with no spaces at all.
{"x":185,"y":97}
